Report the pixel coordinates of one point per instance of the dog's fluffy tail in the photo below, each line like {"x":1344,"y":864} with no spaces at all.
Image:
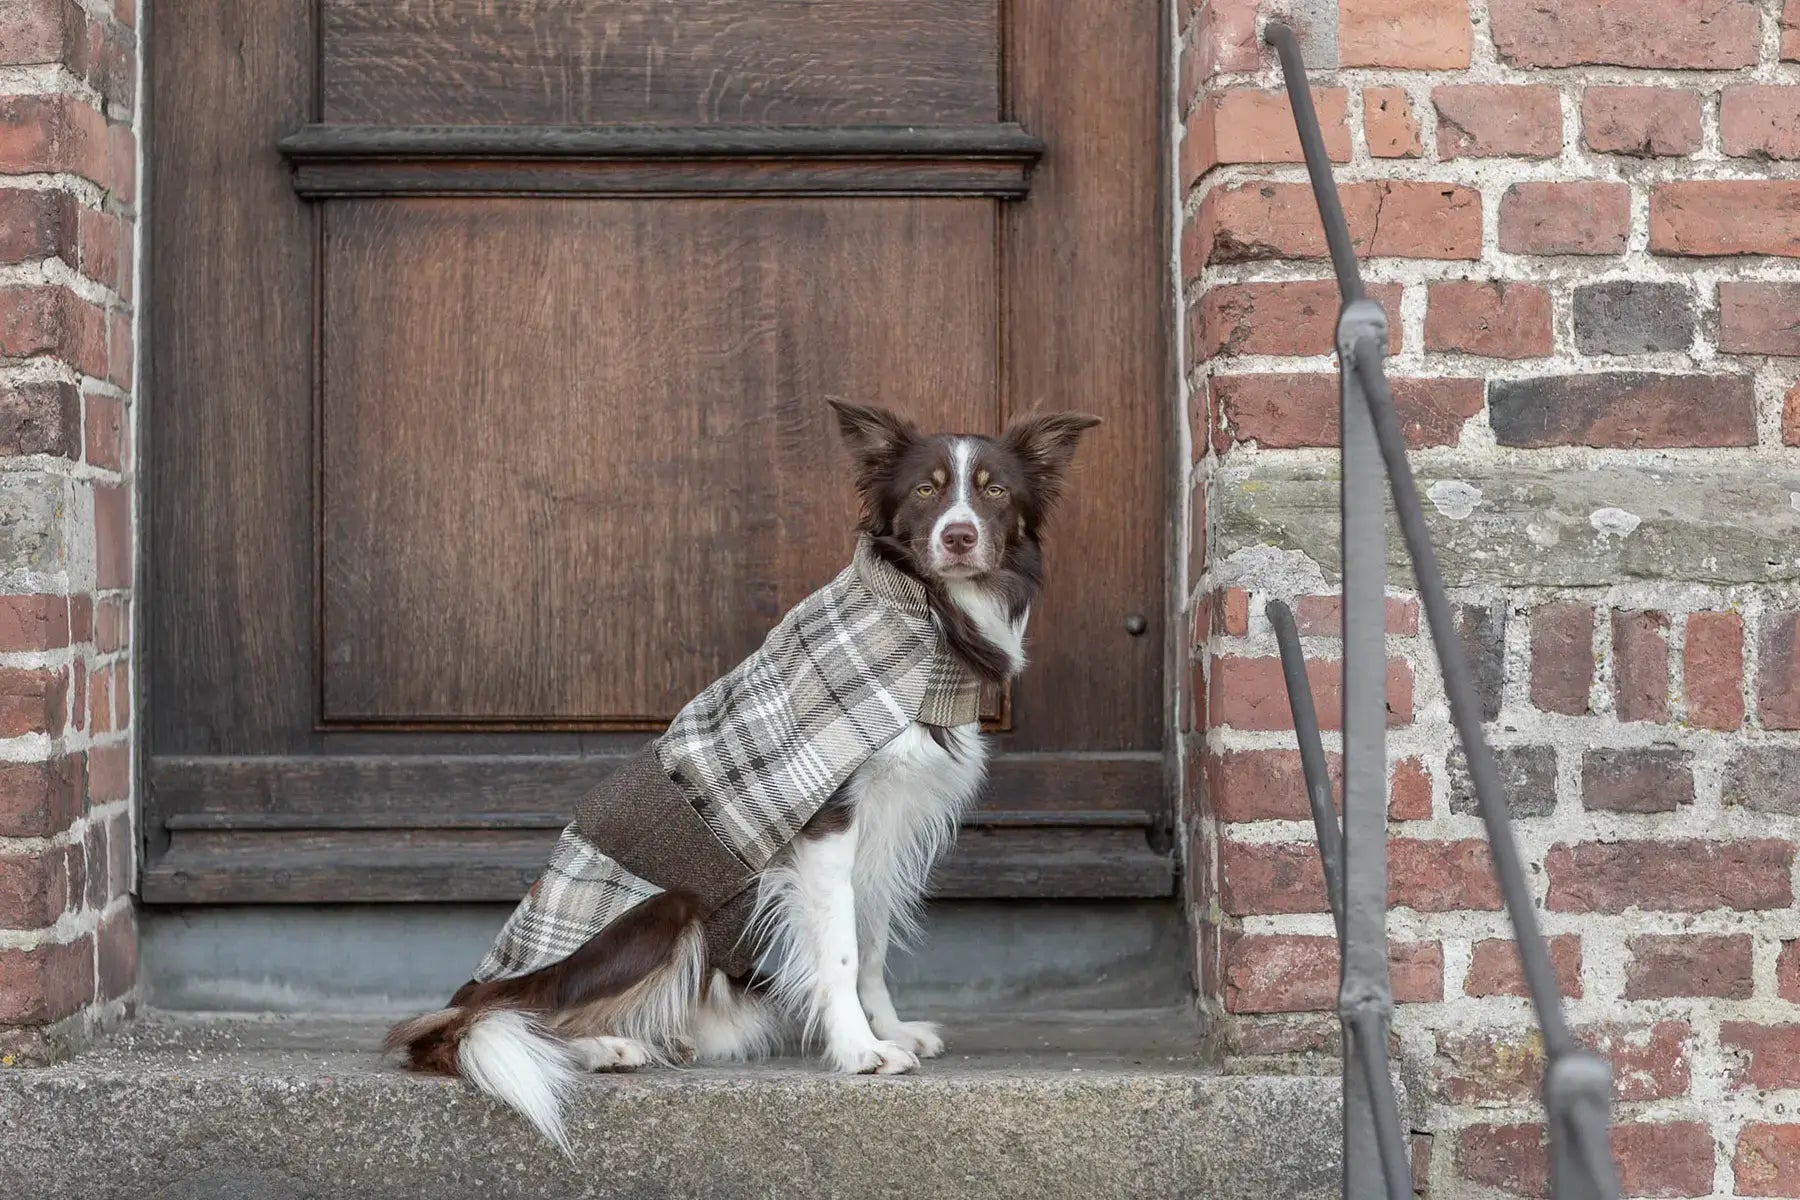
{"x":503,"y":1052}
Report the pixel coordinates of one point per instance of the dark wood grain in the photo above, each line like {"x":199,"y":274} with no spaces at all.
{"x":1086,"y":276}
{"x":351,"y":160}
{"x":315,"y":790}
{"x":581,"y":62}
{"x":500,"y":864}
{"x":228,"y":483}
{"x":576,"y":456}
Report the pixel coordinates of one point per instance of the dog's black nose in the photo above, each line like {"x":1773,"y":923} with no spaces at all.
{"x":959,"y":538}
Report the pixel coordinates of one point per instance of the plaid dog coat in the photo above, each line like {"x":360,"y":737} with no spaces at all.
{"x":744,"y":766}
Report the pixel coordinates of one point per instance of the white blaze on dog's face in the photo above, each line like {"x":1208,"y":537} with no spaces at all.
{"x":962,"y":506}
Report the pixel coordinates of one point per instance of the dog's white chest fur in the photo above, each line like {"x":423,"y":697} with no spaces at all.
{"x":908,"y":797}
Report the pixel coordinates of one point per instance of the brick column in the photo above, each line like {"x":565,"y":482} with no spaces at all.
{"x":68,"y":164}
{"x":1583,"y":217}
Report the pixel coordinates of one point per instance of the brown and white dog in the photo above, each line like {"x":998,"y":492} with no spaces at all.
{"x":961,"y":514}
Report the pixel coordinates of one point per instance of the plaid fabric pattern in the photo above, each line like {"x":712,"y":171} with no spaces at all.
{"x":581,"y":892}
{"x":764,"y":747}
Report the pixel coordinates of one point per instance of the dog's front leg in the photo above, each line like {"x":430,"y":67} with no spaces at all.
{"x":923,"y":1038}
{"x":823,"y":955}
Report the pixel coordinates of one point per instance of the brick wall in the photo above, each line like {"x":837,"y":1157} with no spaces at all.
{"x":1583,"y":217}
{"x":68,"y":83}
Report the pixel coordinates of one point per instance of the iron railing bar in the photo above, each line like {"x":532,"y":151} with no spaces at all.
{"x":1312,"y":757}
{"x":1465,"y":709}
{"x":1318,"y":162}
{"x":1370,"y":1036}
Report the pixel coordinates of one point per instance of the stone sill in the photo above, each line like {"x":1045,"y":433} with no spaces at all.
{"x":1047,"y":1105}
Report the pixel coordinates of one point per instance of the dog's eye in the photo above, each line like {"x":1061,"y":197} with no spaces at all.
{"x":996,"y":491}
{"x":925,"y":489}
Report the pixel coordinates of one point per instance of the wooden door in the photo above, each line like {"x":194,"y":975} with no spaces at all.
{"x":489,"y":344}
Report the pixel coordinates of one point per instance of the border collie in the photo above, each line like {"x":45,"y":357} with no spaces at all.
{"x":961,"y":515}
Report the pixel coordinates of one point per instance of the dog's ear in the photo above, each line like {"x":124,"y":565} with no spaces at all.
{"x":872,"y":434}
{"x":1044,"y":443}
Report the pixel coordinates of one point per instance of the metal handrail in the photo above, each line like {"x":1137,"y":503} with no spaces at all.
{"x":1577,"y":1083}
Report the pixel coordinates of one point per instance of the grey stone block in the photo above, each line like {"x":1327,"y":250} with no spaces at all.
{"x":1527,"y":776}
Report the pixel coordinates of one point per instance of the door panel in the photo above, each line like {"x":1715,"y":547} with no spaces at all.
{"x":726,"y":62}
{"x":580,"y":478}
{"x":472,"y":453}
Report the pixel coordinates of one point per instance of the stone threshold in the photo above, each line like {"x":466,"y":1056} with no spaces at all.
{"x":1093,"y":1105}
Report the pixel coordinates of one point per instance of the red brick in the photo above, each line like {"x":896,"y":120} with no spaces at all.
{"x":1760,"y":1056}
{"x":1665,"y":965}
{"x":1565,"y":218}
{"x":1626,"y":33}
{"x":1790,"y":417}
{"x":1282,"y":411}
{"x":109,"y":773}
{"x":32,"y":701}
{"x":1409,"y":791}
{"x":121,"y":162}
{"x":1649,"y":1062}
{"x":1672,"y":1159}
{"x":1250,"y":693}
{"x":34,"y":32}
{"x":1562,"y":658}
{"x":1494,"y":968}
{"x":1778,"y":672}
{"x":81,"y":619}
{"x":1281,"y":318}
{"x":1258,"y":127}
{"x":112,"y":536}
{"x":112,"y":626}
{"x":1756,"y":318}
{"x":1261,"y":785}
{"x":119,"y":352}
{"x":1637,"y":779}
{"x":1767,"y":1162}
{"x":1487,"y":120}
{"x":1389,"y":125}
{"x":1671,"y":876}
{"x":1726,"y":216}
{"x":94,"y":853}
{"x":1495,"y":319}
{"x":1787,"y":972}
{"x":1488,"y":1066}
{"x":100,"y":702}
{"x":40,"y":417}
{"x":1424,"y":35}
{"x":39,"y":799}
{"x":1760,"y":120}
{"x":78,"y":696}
{"x":54,"y":133}
{"x":1199,"y":147}
{"x":1645,"y":122}
{"x":1232,"y":612}
{"x":105,"y":436}
{"x":33,"y":623}
{"x":1299,"y":973}
{"x":121,"y":697}
{"x":46,"y":983}
{"x":36,"y":888}
{"x":105,"y":246}
{"x":53,"y":320}
{"x":1641,"y":665}
{"x":37,"y":224}
{"x":1790,"y":30}
{"x":1427,"y":876}
{"x":1322,"y":616}
{"x":116,"y":947}
{"x":1713,"y":670}
{"x":1254,"y":221}
{"x":1229,"y":29}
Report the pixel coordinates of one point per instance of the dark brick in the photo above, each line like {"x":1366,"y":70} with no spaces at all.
{"x":1766,"y":779}
{"x":1624,"y":410}
{"x":41,"y":418}
{"x":1646,"y":780}
{"x":1527,"y":777}
{"x":1683,"y":964}
{"x":1628,"y":317}
{"x":1482,"y":631}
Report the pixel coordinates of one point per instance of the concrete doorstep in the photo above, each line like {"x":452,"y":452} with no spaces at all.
{"x":1046,"y":1105}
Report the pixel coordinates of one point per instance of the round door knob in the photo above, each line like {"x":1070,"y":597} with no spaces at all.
{"x":1135,"y":624}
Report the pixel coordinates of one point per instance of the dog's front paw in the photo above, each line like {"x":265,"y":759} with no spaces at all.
{"x":610,"y":1053}
{"x":923,"y":1038}
{"x":876,"y":1058}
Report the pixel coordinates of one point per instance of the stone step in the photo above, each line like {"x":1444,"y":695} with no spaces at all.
{"x":1090,"y":1105}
